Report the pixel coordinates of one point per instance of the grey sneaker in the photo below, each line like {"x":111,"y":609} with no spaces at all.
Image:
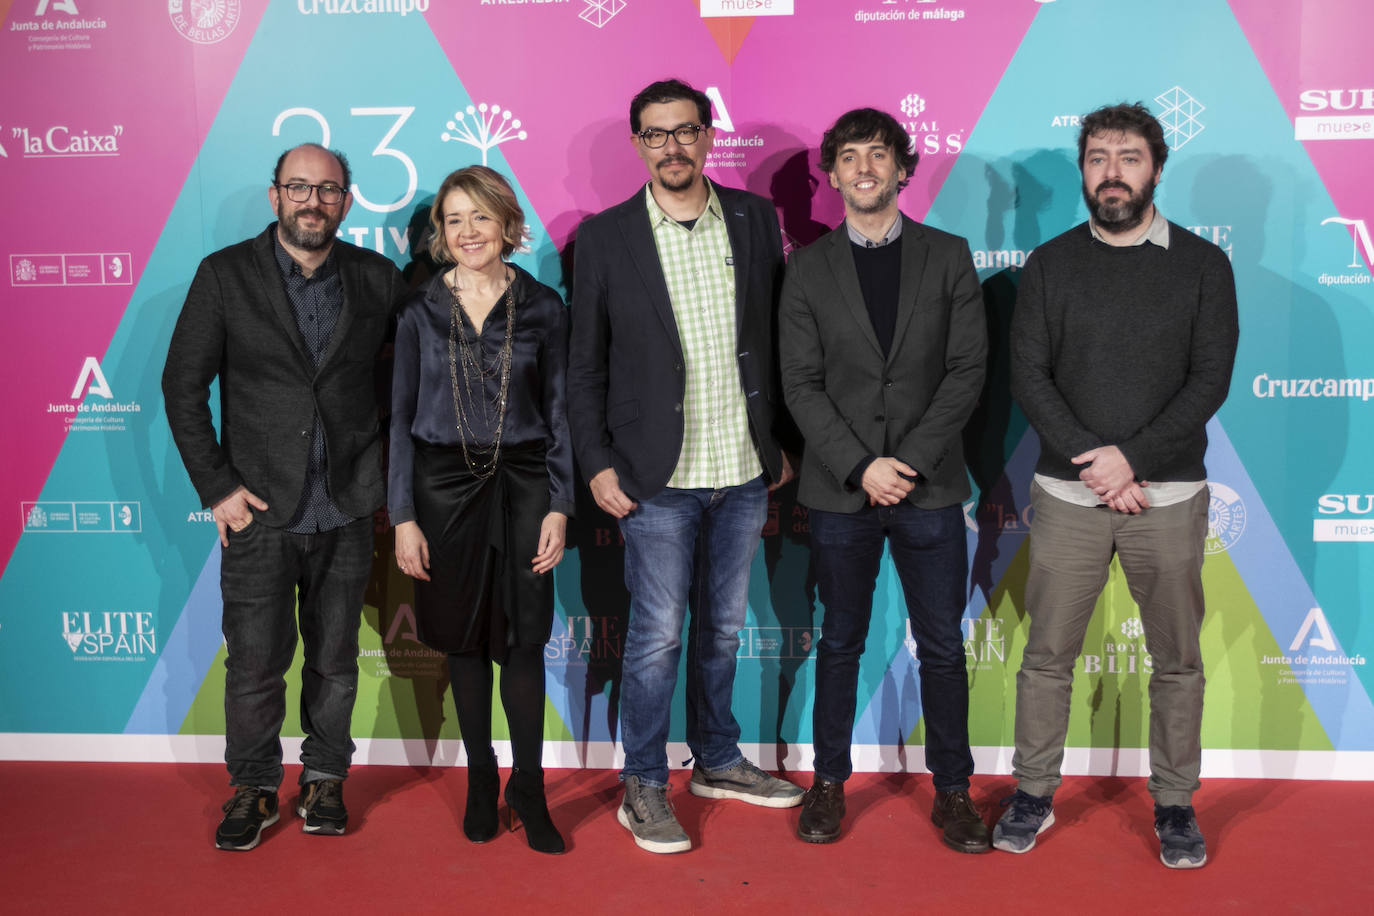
{"x":1180,"y":841}
{"x":1026,"y":817}
{"x":647,"y":814}
{"x":747,"y":783}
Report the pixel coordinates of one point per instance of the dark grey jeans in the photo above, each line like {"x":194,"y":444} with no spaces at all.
{"x":1071,"y":549}
{"x":268,"y":577}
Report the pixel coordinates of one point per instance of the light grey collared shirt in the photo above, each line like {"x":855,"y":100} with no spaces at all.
{"x":893,"y":233}
{"x":1157,"y":233}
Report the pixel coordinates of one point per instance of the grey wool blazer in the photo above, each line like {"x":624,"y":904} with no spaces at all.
{"x":849,"y":400}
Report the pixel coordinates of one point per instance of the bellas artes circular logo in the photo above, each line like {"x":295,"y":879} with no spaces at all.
{"x":204,"y":21}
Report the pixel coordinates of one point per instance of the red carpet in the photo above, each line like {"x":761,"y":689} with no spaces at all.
{"x":137,"y":838}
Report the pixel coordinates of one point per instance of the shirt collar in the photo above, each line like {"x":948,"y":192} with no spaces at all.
{"x":657,"y":215}
{"x":893,"y":233}
{"x":1157,"y":232}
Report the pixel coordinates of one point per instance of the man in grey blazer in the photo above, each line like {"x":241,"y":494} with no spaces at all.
{"x":883,"y":345}
{"x":291,"y":323}
{"x":672,"y":402}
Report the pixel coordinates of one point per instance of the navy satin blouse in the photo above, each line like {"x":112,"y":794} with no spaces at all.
{"x":536,"y":403}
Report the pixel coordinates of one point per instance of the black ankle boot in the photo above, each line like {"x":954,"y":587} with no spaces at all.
{"x":525,"y":800}
{"x":484,"y":786}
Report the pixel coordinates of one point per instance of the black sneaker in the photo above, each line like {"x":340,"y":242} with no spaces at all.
{"x":321,"y":804}
{"x":245,"y":816}
{"x":1180,"y":841}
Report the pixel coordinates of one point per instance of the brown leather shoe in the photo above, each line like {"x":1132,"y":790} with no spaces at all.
{"x":822,"y":812}
{"x":961,"y":825}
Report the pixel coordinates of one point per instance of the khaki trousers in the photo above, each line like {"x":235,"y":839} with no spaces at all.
{"x":1071,"y":549}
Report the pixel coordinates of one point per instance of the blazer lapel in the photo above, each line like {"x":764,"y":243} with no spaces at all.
{"x":915,"y":250}
{"x":349,"y":281}
{"x":639,"y":244}
{"x":269,"y":275}
{"x":737,"y":229}
{"x":846,"y":276}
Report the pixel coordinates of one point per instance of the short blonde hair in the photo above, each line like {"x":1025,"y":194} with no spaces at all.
{"x":492,"y":195}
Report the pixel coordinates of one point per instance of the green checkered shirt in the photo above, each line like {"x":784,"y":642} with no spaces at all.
{"x":717,"y":450}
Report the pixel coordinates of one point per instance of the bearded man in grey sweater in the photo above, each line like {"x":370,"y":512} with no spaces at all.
{"x":1123,"y":342}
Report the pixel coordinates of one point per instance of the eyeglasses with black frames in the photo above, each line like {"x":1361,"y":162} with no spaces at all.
{"x":299,"y":191}
{"x":656,"y":137}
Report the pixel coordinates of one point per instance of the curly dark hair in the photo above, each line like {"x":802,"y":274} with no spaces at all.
{"x":869,"y":124}
{"x":1128,"y":117}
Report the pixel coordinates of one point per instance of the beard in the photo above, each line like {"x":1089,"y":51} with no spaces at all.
{"x":882,"y":199}
{"x":681,"y":184}
{"x":307,"y":239}
{"x":1122,"y":215}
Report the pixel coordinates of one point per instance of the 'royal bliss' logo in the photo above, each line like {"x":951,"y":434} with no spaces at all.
{"x":1127,"y":655}
{"x":928,"y":138}
{"x":127,"y":636}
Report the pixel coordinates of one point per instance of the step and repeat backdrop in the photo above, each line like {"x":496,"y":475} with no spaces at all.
{"x":137,"y":138}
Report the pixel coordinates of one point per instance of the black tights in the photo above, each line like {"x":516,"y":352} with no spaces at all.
{"x":522,"y":696}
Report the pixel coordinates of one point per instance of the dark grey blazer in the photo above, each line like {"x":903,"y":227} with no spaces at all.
{"x":626,"y":379}
{"x":237,"y":324}
{"x":850,"y":402}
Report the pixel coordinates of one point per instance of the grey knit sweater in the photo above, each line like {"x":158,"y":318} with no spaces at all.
{"x":1126,"y":346}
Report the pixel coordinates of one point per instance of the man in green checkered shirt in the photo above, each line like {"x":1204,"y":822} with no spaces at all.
{"x":673,"y":398}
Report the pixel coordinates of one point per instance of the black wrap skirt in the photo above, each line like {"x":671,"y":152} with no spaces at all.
{"x":483,"y":535}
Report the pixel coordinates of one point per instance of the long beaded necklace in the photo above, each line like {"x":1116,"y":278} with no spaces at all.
{"x":465,"y":360}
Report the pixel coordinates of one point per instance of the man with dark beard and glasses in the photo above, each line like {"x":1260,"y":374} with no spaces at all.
{"x":1122,"y":345}
{"x":883,"y":343}
{"x":673,"y":403}
{"x":291,"y":323}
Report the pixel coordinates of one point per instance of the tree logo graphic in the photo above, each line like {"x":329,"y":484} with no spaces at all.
{"x":483,"y":126}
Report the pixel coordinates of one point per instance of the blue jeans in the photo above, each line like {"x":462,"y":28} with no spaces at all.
{"x":931,"y":557}
{"x":682,"y":544}
{"x":261,"y":573}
